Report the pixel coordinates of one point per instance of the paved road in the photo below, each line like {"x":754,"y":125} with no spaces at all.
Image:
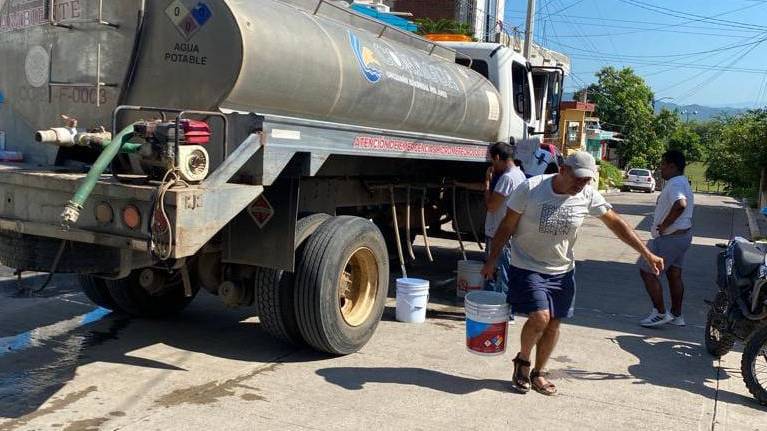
{"x":65,"y":365}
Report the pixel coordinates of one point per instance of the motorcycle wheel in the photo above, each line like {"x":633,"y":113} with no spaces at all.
{"x":717,"y":342}
{"x":753,"y":365}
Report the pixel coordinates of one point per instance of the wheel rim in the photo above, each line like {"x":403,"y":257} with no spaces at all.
{"x":358,"y":287}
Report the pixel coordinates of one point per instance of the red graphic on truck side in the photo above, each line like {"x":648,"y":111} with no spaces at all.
{"x":379,"y":143}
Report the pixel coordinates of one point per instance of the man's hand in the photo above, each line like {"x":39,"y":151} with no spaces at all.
{"x":488,"y":270}
{"x":655,"y":262}
{"x":625,"y":233}
{"x":489,"y":176}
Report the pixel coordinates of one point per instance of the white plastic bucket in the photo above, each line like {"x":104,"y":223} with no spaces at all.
{"x":469,"y":277}
{"x":412,"y":299}
{"x":487,"y":316}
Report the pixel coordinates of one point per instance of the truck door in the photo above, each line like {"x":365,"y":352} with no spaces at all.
{"x":547,"y":86}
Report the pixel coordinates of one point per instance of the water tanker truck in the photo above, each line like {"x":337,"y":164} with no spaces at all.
{"x":265,"y":151}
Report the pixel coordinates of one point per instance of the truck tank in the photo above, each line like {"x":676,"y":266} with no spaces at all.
{"x":274,"y":57}
{"x":300,"y":58}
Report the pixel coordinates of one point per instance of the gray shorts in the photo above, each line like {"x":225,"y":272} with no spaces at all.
{"x":671,"y":248}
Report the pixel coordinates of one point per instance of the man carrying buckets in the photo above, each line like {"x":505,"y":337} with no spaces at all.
{"x":543,"y":217}
{"x":501,"y":178}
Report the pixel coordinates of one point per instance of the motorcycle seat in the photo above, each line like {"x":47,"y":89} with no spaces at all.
{"x":747,"y":258}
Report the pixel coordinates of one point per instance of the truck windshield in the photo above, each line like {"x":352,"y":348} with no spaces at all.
{"x":479,"y":66}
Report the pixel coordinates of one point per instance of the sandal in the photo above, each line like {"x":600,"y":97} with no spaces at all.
{"x":521,"y":381}
{"x":547,"y":389}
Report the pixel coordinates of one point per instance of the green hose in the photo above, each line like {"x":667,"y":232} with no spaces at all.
{"x":111,"y":149}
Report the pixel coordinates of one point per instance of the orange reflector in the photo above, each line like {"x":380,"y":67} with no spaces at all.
{"x":132,"y":217}
{"x":104,"y":213}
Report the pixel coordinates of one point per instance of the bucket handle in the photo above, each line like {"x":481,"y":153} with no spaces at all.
{"x":413,"y":305}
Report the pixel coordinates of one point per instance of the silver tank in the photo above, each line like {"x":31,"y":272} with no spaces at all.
{"x":274,"y":57}
{"x":302,"y":58}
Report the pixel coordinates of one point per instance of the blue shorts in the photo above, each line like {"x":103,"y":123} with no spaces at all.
{"x":531,"y":291}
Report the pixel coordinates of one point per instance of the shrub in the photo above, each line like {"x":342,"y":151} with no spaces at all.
{"x":609,"y":175}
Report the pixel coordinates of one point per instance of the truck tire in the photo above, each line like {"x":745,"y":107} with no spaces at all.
{"x":342,"y":281}
{"x":718,"y":343}
{"x":161,"y":296}
{"x":753,"y":365}
{"x":96,"y":290}
{"x":275,"y":293}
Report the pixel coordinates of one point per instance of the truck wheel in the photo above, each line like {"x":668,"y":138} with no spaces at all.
{"x":275,"y":293}
{"x":718,"y":343}
{"x":150,"y":292}
{"x":96,"y":290}
{"x":753,"y":365}
{"x":341,"y":286}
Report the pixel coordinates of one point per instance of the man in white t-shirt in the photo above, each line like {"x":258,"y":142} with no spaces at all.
{"x":543,"y":218}
{"x":671,"y":238}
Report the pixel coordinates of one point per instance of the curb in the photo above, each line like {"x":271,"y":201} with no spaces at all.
{"x":753,"y":222}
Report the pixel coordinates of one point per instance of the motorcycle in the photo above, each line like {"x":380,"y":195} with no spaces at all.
{"x":739,"y":311}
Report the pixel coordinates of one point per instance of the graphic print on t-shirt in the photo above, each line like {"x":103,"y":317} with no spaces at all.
{"x":555,"y":220}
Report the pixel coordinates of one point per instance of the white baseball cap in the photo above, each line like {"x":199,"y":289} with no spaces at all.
{"x":582,"y":164}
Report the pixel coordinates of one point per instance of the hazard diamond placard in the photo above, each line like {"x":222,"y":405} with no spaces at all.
{"x":261,"y":211}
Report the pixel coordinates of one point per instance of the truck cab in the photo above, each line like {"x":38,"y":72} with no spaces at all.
{"x":530,"y":94}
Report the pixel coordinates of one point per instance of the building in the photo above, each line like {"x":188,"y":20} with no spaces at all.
{"x":484,"y":16}
{"x":572,"y":125}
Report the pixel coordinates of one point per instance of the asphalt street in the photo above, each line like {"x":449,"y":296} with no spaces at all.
{"x":68,"y":365}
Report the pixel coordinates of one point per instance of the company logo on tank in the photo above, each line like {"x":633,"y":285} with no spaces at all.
{"x":188,"y":16}
{"x":378,"y":61}
{"x":366,"y":59}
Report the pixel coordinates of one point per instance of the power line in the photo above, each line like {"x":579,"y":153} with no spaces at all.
{"x":676,"y":65}
{"x":681,"y":14}
{"x":716,"y":75}
{"x":680,"y":55}
{"x":612,"y":42}
{"x":684,"y":23}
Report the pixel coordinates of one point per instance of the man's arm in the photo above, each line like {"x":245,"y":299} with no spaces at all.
{"x":480,"y":186}
{"x":505,"y":231}
{"x":494,"y":201}
{"x":676,"y":210}
{"x":625,"y":233}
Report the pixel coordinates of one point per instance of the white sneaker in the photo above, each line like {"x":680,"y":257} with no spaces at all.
{"x":656,"y":319}
{"x":678,"y":320}
{"x":649,"y":318}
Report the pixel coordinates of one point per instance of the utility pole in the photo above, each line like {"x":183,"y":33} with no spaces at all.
{"x":529,"y":28}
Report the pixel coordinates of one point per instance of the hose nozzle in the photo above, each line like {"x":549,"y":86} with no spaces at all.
{"x":70,"y":215}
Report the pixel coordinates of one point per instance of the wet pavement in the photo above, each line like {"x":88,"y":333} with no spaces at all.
{"x":66,"y":364}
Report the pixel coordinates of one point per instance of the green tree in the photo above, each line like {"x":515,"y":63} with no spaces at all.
{"x":737,"y":152}
{"x":624,"y":104}
{"x":685,"y":139}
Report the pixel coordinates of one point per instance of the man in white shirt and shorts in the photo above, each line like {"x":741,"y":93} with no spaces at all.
{"x":671,"y":238}
{"x":543,"y":218}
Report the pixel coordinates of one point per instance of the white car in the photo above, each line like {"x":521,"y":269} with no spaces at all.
{"x":639,"y":179}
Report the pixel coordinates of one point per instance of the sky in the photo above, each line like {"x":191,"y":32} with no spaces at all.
{"x":705,"y":52}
